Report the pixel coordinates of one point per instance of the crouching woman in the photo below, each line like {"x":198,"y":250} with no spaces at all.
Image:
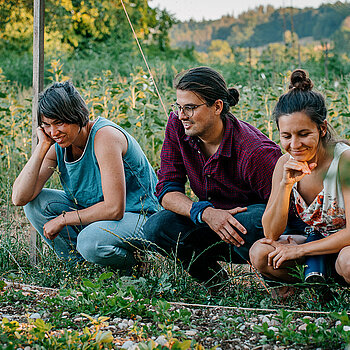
{"x":107,"y":182}
{"x":314,"y":176}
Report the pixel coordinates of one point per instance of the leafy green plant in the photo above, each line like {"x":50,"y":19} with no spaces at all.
{"x":319,"y":335}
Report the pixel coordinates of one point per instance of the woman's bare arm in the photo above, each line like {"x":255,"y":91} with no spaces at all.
{"x":36,"y":172}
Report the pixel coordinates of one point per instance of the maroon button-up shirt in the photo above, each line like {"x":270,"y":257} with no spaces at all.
{"x":238,"y":174}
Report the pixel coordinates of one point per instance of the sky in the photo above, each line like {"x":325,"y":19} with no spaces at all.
{"x":214,"y":9}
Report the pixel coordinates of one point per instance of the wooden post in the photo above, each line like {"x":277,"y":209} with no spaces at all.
{"x":326,"y":60}
{"x":38,"y":85}
{"x":292,"y":23}
{"x":250,"y":64}
{"x":283,"y":9}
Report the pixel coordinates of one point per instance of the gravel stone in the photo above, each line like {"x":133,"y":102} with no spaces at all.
{"x":265,"y":319}
{"x":127,"y":344}
{"x":302,"y":327}
{"x":122,"y":325}
{"x":191,"y":332}
{"x":161,"y":340}
{"x":319,"y":321}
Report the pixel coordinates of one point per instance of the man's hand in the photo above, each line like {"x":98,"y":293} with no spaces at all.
{"x":53,"y":227}
{"x":224,"y":224}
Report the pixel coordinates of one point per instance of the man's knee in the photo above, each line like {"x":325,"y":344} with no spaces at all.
{"x":152,"y":226}
{"x":258,"y":255}
{"x":251,"y":220}
{"x":166,"y":229}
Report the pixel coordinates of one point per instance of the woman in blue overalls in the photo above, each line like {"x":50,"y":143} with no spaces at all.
{"x":107,"y":180}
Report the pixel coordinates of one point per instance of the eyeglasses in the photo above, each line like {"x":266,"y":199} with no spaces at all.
{"x":186,"y":110}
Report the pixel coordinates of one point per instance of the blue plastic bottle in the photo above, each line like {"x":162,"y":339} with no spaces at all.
{"x":315,"y":270}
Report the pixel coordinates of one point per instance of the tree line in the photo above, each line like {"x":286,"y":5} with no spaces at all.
{"x":72,"y":24}
{"x":265,"y":25}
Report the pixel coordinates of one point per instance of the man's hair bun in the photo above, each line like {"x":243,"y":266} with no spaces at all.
{"x":233,"y":96}
{"x":300,"y":80}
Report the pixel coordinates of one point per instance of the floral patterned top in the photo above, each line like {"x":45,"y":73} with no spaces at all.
{"x":327,"y":212}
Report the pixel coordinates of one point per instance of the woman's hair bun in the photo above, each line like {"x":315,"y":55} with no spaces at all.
{"x":233,"y":96}
{"x":300,"y":80}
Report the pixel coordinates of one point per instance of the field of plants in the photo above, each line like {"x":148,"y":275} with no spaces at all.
{"x":51,"y":305}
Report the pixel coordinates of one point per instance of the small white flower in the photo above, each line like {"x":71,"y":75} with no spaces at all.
{"x":263,"y":75}
{"x":346,"y":328}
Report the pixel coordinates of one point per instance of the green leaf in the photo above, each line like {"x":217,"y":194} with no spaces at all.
{"x":2,"y":285}
{"x":343,"y":317}
{"x":88,"y":283}
{"x":105,"y":276}
{"x":104,"y":337}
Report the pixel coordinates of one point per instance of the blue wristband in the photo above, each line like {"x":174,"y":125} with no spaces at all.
{"x":197,"y":211}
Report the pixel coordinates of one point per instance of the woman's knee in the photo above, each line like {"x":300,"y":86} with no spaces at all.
{"x":94,"y":248}
{"x":33,"y":208}
{"x":37,"y":209}
{"x":342,"y":264}
{"x":90,"y":247}
{"x":258,"y":255}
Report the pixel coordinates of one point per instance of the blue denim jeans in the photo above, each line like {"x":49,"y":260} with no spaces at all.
{"x":101,"y":242}
{"x":197,"y":246}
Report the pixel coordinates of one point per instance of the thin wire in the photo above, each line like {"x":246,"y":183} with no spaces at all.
{"x":306,"y":312}
{"x":144,"y":58}
{"x":25,"y":286}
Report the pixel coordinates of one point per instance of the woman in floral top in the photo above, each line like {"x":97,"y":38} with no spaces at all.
{"x":313,"y":175}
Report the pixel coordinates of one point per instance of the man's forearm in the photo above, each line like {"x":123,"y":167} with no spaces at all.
{"x":177,"y":202}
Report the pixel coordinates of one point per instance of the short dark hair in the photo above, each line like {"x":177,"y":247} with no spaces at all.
{"x":301,"y":98}
{"x":209,"y":85}
{"x":62,"y":101}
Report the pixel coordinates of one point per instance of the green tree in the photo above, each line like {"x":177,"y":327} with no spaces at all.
{"x":79,"y":23}
{"x":220,"y":51}
{"x":342,"y":37}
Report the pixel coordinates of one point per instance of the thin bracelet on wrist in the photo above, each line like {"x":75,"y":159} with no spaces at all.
{"x":64,"y":217}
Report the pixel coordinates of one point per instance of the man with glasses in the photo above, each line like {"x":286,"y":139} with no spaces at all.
{"x":229,"y":165}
